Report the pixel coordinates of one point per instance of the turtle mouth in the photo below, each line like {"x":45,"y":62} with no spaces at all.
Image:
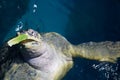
{"x":24,"y":37}
{"x":27,"y":40}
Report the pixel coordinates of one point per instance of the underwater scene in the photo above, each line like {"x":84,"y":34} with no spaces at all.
{"x":94,"y":24}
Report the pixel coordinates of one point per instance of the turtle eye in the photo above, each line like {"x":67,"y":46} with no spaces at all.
{"x":30,"y":32}
{"x":33,"y":33}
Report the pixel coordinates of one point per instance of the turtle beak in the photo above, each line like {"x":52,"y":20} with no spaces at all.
{"x":18,"y":33}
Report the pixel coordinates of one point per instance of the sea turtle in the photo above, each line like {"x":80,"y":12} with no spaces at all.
{"x":48,"y":56}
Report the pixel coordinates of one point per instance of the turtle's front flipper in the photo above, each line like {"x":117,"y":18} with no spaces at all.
{"x":102,"y":51}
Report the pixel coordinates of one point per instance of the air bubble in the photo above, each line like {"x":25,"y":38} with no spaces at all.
{"x":107,"y":70}
{"x":19,"y":26}
{"x":34,"y":8}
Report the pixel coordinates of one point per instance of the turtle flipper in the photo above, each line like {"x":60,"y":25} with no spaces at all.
{"x":102,"y":51}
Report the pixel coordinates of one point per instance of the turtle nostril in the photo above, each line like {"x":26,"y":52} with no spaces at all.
{"x":22,"y":31}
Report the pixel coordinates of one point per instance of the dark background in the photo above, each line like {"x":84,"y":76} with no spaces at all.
{"x":78,"y":20}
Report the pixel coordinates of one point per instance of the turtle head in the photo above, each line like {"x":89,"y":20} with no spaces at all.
{"x":31,"y":43}
{"x":25,"y":36}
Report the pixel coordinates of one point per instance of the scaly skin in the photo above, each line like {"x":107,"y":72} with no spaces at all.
{"x":50,"y":55}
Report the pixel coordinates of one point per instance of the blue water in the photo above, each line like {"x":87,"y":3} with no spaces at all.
{"x":78,"y":20}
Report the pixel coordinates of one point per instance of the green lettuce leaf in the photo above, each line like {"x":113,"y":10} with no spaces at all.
{"x":17,"y":39}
